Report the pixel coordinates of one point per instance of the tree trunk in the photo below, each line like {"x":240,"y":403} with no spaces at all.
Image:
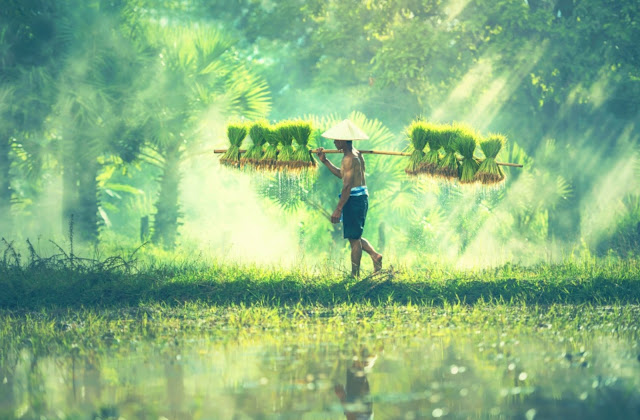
{"x":87,"y":219}
{"x":80,"y":191}
{"x":69,"y":184}
{"x":167,"y":208}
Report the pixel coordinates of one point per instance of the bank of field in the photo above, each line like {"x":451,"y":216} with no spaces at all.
{"x":71,"y":282}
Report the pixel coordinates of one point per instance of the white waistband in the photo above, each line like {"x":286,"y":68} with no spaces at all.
{"x":358,"y":191}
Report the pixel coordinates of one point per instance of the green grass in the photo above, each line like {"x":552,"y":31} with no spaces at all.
{"x":63,"y":316}
{"x":66,"y":281}
{"x":61,"y":331}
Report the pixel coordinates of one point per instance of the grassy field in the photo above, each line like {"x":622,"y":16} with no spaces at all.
{"x":67,"y":281}
{"x":123,"y":338}
{"x":56,"y":331}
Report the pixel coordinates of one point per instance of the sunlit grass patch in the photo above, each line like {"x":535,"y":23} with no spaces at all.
{"x":54,"y":331}
{"x":64,"y":281}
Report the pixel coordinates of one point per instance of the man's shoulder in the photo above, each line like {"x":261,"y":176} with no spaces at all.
{"x":348,"y":158}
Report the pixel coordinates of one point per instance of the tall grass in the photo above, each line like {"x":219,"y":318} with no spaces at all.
{"x":65,"y":280}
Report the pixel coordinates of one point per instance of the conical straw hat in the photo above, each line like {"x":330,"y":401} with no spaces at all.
{"x":345,"y":130}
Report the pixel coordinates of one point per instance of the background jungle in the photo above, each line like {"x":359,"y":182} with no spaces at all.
{"x":109,"y":110}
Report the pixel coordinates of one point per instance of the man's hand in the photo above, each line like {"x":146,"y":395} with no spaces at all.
{"x":340,"y":393}
{"x":321,"y":155}
{"x":335,"y":217}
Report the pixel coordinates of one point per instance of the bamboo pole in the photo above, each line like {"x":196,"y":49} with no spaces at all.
{"x":372,"y":152}
{"x":334,"y":151}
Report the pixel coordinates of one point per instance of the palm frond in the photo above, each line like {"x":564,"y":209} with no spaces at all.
{"x":249,"y":94}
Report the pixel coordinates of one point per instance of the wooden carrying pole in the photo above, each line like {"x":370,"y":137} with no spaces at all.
{"x":372,"y":152}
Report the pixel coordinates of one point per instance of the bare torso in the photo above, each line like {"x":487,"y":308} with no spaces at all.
{"x":358,"y":165}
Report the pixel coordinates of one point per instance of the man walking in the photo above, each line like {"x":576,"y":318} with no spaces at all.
{"x":354,"y":199}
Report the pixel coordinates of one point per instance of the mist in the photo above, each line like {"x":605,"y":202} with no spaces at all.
{"x":225,"y":219}
{"x":124,"y":130}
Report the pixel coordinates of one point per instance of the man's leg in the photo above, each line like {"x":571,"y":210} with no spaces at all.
{"x":375,"y":257}
{"x":356,"y":256}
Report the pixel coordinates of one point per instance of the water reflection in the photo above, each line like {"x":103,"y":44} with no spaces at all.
{"x":486,"y":375}
{"x":355,"y":396}
{"x":174,"y":374}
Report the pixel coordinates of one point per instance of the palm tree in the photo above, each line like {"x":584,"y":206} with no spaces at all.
{"x":196,"y":75}
{"x":26,"y":55}
{"x":93,"y":113}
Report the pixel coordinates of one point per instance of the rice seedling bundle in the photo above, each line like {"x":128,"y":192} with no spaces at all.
{"x":417,"y":133}
{"x":302,"y":134}
{"x":268,"y":160}
{"x":489,"y":172}
{"x":286,"y":156}
{"x":435,"y":135}
{"x":257,"y":133}
{"x":465,"y":144}
{"x":236,"y":132}
{"x":448,"y":165}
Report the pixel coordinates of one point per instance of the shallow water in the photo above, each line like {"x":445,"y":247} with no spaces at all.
{"x":423,"y":373}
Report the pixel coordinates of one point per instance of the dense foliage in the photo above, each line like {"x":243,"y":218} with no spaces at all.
{"x":114,"y":97}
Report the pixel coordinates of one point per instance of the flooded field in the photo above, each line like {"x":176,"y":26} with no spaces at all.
{"x":347,"y":362}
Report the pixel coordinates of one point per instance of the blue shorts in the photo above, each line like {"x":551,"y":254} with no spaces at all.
{"x":354,"y":214}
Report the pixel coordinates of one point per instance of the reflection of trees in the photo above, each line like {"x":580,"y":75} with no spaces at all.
{"x":91,"y":380}
{"x":8,"y":364}
{"x":463,"y":374}
{"x":36,"y":388}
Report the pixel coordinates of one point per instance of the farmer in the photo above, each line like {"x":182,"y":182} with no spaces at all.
{"x":354,"y":199}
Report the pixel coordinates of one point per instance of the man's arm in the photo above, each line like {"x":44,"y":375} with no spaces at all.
{"x":323,"y":158}
{"x":347,"y":181}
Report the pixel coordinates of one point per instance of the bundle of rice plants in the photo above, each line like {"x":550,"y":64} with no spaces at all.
{"x":489,"y":172}
{"x":417,"y":134}
{"x":302,"y":134}
{"x":448,"y":165}
{"x":268,"y":160}
{"x":286,"y":157}
{"x":257,"y":133}
{"x":435,"y":134}
{"x":236,"y":132}
{"x":465,"y":144}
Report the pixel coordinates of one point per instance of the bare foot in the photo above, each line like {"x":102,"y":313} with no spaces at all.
{"x":377,"y":263}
